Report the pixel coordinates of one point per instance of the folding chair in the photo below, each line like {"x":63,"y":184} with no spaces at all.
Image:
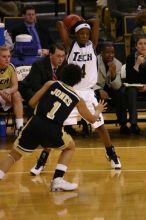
{"x":129,"y":25}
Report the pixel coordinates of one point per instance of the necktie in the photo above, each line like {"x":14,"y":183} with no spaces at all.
{"x":54,"y":75}
{"x":35,"y":37}
{"x":31,"y":31}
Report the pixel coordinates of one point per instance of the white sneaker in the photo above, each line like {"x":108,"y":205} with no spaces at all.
{"x":36,"y":170}
{"x":2,"y":174}
{"x":17,"y":131}
{"x":59,"y":184}
{"x":115,"y":162}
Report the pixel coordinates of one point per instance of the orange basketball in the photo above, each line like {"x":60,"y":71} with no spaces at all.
{"x":70,"y":20}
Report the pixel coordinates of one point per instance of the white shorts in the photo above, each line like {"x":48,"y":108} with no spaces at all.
{"x":89,"y":98}
{"x":6,"y":106}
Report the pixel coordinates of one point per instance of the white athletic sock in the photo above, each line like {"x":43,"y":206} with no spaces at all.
{"x":19,"y":122}
{"x":61,"y":167}
{"x":2,"y":174}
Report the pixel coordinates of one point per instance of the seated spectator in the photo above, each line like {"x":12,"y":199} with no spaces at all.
{"x":109,"y":84}
{"x":5,"y":38}
{"x":119,"y":9}
{"x":136,"y":73}
{"x":9,"y":95}
{"x":140,"y":26}
{"x":39,"y":33}
{"x":42,"y":71}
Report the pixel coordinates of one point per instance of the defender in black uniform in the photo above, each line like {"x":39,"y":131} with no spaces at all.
{"x":54,"y":102}
{"x":52,"y":110}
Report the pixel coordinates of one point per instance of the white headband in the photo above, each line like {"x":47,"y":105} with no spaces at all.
{"x":80,"y":26}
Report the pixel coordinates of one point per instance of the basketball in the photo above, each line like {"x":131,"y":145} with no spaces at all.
{"x":70,"y":20}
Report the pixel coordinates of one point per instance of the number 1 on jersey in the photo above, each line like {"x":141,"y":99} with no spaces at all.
{"x":51,"y":113}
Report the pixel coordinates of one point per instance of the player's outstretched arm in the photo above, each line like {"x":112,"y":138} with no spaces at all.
{"x":37,"y":96}
{"x":86,"y":114}
{"x":64,"y":34}
{"x":94,"y":22}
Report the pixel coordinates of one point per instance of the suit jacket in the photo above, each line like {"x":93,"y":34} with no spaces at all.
{"x":40,"y":73}
{"x":132,"y":75}
{"x":105,"y":77}
{"x":43,"y":33}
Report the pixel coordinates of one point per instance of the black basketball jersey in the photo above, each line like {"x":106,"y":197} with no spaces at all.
{"x":57,"y":103}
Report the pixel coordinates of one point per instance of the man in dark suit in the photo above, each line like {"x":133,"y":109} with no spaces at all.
{"x":47,"y":68}
{"x":38,"y":31}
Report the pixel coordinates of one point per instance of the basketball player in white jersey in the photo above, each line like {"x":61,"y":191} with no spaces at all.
{"x":81,"y":51}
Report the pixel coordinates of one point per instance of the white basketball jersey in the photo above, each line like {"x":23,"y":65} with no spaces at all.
{"x":85,"y":57}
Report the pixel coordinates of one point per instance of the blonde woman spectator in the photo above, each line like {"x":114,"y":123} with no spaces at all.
{"x":135,"y":73}
{"x":9,"y":95}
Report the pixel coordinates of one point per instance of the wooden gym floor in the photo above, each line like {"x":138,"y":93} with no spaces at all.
{"x":103,"y":193}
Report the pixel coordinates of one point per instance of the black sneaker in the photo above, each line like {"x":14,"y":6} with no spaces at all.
{"x":86,"y":130}
{"x":37,"y":169}
{"x":135,"y":129}
{"x":125,"y":130}
{"x":113,"y":158}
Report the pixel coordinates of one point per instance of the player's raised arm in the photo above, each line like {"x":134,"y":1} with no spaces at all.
{"x":63,"y":32}
{"x":66,"y":29}
{"x":94,"y":23}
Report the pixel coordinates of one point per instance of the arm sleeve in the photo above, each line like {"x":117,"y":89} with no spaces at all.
{"x":117,"y":82}
{"x":132,"y":76}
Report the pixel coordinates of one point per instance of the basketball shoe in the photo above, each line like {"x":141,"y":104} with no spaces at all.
{"x":17,"y":131}
{"x":59,"y":184}
{"x":38,"y":168}
{"x":2,"y":174}
{"x":113,"y":158}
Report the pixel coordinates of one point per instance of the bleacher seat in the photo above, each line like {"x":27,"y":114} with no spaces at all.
{"x":12,"y":22}
{"x":129,"y":24}
{"x":22,"y":72}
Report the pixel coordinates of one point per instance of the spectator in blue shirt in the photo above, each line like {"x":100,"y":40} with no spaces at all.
{"x":40,"y":33}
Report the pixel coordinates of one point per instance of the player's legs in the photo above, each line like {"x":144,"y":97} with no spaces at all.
{"x":90,"y":99}
{"x":67,"y":146}
{"x":24,"y":144}
{"x":110,"y":150}
{"x":104,"y":135}
{"x":8,"y":161}
{"x":58,"y":183}
{"x":39,"y":166}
